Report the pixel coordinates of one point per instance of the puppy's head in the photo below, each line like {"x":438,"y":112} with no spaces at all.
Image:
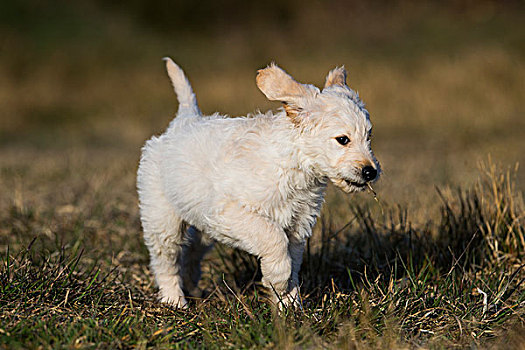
{"x":334,"y":126}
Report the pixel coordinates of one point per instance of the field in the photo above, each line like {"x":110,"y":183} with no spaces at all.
{"x":438,"y":264}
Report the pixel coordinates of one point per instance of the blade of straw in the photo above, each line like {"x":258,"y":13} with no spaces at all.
{"x":371,"y":190}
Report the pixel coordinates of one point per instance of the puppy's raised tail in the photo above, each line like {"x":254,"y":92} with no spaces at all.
{"x":187,"y":101}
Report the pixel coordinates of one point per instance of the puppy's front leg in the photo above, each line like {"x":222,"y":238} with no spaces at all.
{"x":295,"y":249}
{"x":263,"y":238}
{"x":276,"y":267}
{"x":297,"y":237}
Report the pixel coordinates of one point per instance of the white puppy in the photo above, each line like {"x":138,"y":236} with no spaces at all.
{"x":255,"y":183}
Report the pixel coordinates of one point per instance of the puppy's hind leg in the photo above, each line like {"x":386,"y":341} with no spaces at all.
{"x":197,"y":245}
{"x":163,"y":235}
{"x":164,"y":238}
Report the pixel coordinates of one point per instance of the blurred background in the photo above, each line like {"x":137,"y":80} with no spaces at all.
{"x":82,"y":86}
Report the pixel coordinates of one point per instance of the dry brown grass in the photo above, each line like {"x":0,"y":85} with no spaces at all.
{"x":437,"y":110}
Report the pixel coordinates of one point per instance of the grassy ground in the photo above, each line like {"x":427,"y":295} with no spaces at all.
{"x":83,"y":86}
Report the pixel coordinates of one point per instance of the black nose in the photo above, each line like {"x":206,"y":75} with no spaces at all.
{"x":369,"y":173}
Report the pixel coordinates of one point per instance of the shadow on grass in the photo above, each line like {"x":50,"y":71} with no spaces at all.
{"x":459,"y":277}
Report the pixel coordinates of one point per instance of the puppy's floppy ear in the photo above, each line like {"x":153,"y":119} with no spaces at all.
{"x":277,"y":85}
{"x":336,"y":76}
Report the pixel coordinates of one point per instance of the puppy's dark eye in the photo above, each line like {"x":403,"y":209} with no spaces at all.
{"x":343,"y":140}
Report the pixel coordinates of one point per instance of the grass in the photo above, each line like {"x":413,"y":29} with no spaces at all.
{"x":378,"y":282}
{"x":441,"y":267}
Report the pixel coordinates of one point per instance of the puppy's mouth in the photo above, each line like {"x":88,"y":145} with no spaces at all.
{"x":348,"y":185}
{"x":355,"y":184}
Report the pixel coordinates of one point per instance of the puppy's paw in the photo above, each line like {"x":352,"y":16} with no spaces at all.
{"x":176,"y":301}
{"x":289,"y":300}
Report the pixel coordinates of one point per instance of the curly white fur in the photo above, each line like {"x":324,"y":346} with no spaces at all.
{"x":255,"y":183}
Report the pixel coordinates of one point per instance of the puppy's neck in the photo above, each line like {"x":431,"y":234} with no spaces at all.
{"x":297,"y":160}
